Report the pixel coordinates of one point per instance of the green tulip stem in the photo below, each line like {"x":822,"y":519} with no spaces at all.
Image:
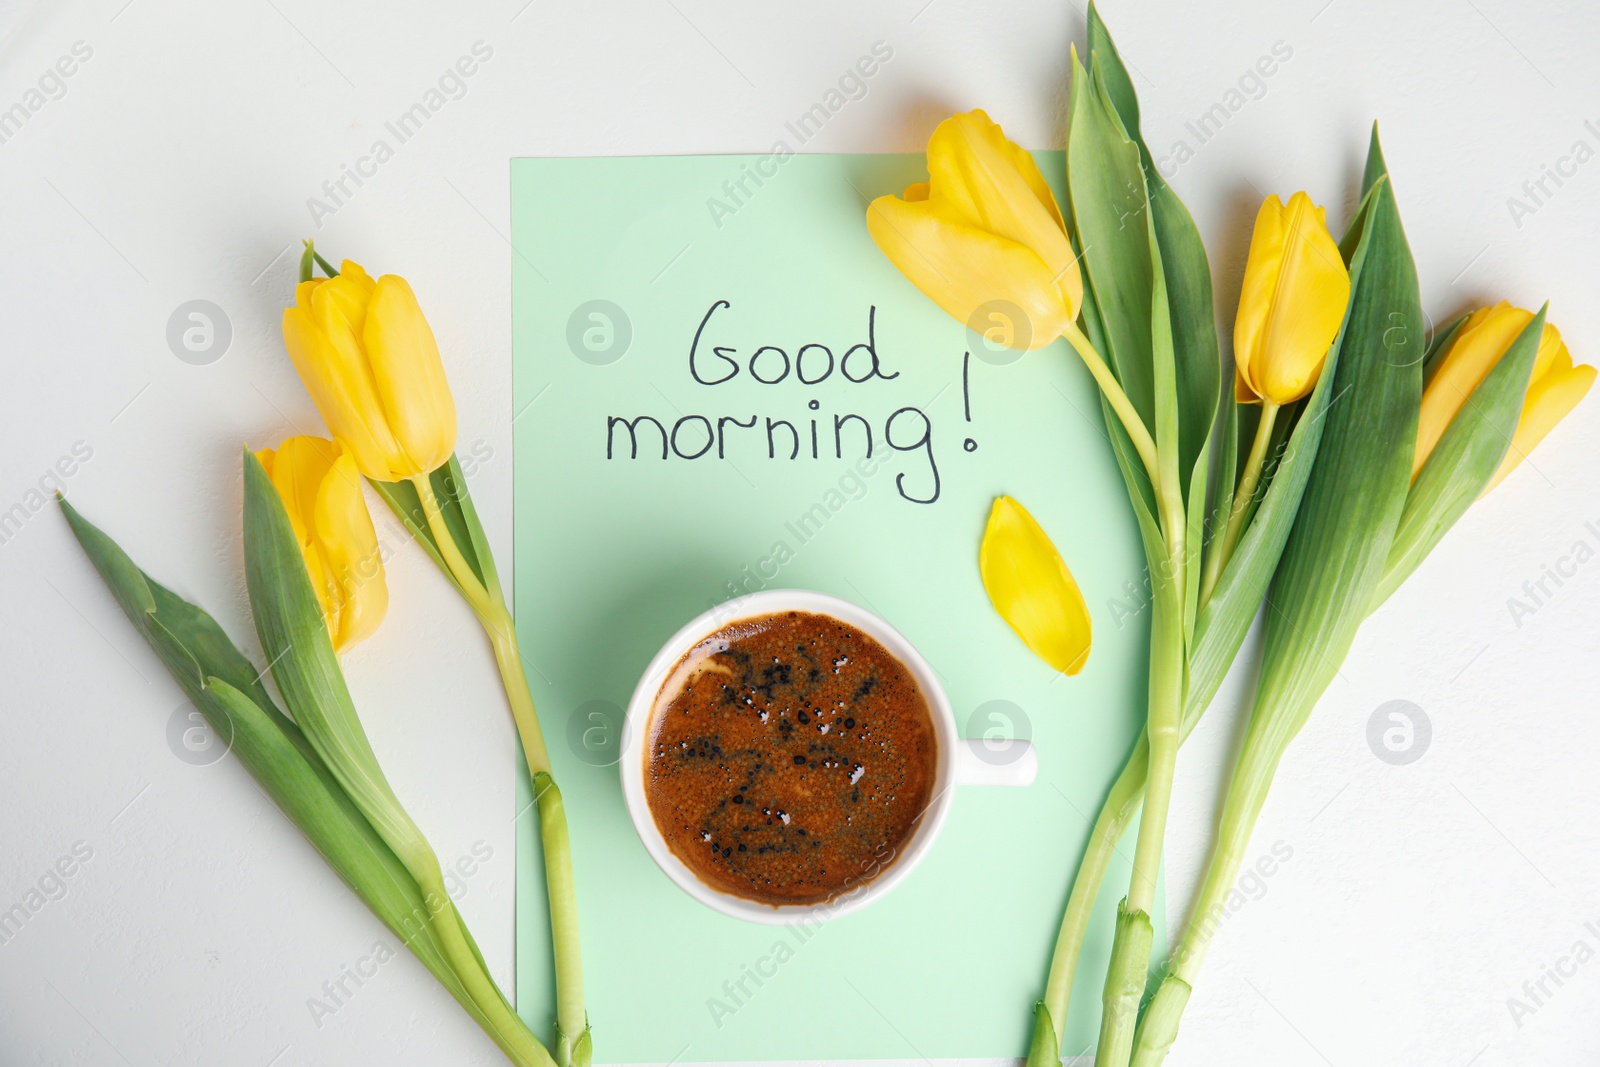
{"x":488,"y":603}
{"x":1116,"y":815}
{"x":1169,"y":676}
{"x":572,"y":1023}
{"x":1169,"y":669}
{"x":471,"y":588}
{"x":508,"y":1030}
{"x":1241,"y":499}
{"x":1165,"y":718}
{"x":1110,"y":826}
{"x":1130,"y":948}
{"x":502,"y":631}
{"x":571,"y":1017}
{"x":1137,"y":431}
{"x":1247,"y":793}
{"x":490,"y":607}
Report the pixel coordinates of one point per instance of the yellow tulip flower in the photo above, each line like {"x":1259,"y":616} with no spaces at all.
{"x":1554,"y":387}
{"x":321,"y":490}
{"x":1029,"y":585}
{"x":985,"y":227}
{"x":1296,"y":287}
{"x":371,"y":365}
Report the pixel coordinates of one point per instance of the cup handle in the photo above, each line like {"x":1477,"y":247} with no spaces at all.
{"x":992,"y":761}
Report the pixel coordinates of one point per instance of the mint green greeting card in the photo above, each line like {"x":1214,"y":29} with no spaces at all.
{"x":722,"y":386}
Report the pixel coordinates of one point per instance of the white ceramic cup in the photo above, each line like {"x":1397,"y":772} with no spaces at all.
{"x":960,"y":761}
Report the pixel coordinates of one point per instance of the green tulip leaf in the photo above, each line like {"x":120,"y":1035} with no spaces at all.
{"x":1465,"y":459}
{"x":1339,"y":546}
{"x":1185,"y":267}
{"x":295,"y":640}
{"x":1227,"y":615}
{"x":225,"y":688}
{"x":1110,"y":211}
{"x":324,"y":813}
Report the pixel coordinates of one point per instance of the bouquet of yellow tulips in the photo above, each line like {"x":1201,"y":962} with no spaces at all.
{"x":1319,"y":489}
{"x":316,"y":587}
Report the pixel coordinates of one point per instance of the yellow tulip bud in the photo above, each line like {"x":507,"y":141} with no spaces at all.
{"x":1554,"y":387}
{"x":1029,"y":585}
{"x":321,"y":490}
{"x":984,"y":228}
{"x":1295,"y":290}
{"x":370,"y":363}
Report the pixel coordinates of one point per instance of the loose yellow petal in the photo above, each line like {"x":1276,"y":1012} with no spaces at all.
{"x":1031,"y":588}
{"x":409,"y":376}
{"x":1549,"y":400}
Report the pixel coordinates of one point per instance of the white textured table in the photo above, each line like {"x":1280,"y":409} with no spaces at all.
{"x":179,"y":160}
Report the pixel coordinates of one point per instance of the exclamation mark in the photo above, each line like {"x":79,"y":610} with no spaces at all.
{"x":966,"y":397}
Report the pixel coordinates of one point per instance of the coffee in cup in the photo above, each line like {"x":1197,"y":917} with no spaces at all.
{"x":789,"y":758}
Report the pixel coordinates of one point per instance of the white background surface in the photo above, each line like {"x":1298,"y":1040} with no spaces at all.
{"x":177,"y":165}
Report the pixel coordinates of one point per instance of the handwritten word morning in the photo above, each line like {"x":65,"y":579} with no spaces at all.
{"x":813,"y":434}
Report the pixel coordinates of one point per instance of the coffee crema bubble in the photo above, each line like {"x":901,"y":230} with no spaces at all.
{"x":790,"y":756}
